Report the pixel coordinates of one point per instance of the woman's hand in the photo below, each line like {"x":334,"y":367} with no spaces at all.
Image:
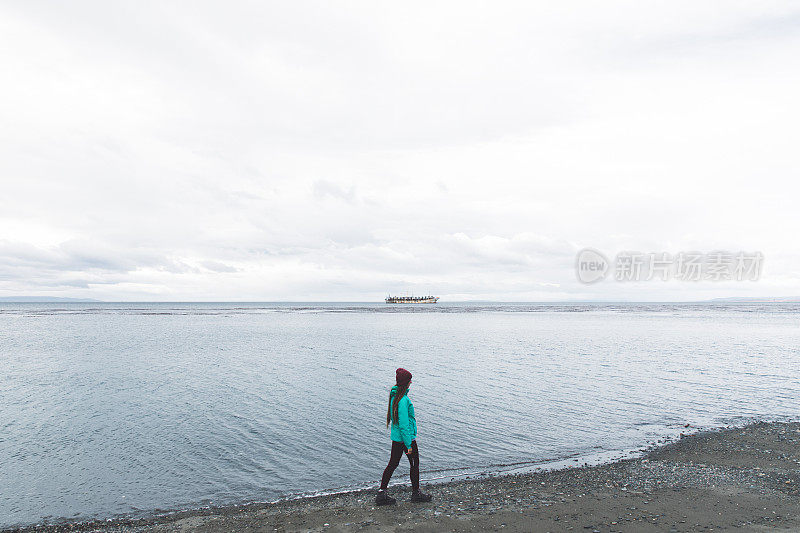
{"x":409,"y":451}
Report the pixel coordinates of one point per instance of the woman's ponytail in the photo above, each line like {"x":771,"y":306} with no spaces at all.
{"x":391,"y":412}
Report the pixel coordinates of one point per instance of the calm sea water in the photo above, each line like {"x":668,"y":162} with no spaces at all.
{"x":109,"y":409}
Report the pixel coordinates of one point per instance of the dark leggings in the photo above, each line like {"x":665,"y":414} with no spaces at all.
{"x":398,"y":448}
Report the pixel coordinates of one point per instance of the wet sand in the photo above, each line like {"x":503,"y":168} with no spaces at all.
{"x":740,"y":478}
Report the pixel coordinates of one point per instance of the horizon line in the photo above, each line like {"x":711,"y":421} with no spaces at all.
{"x":734,"y":299}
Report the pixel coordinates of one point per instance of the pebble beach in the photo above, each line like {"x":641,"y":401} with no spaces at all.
{"x":741,"y":478}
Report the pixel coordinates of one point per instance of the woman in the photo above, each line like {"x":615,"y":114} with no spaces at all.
{"x":404,"y":431}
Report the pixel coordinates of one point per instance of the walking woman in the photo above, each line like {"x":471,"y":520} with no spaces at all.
{"x":400,"y":415}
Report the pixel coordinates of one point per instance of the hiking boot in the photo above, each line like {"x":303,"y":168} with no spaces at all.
{"x":418,"y":496}
{"x":384,"y":499}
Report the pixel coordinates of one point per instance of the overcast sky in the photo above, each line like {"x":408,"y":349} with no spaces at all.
{"x":346,"y":150}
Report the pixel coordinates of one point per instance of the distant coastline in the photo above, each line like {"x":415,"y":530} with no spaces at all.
{"x":45,"y":300}
{"x":758,"y":300}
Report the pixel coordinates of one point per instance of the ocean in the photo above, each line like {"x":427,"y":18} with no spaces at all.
{"x":131,"y":409}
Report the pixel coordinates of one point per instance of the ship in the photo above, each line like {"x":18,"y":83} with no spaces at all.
{"x":412,"y":299}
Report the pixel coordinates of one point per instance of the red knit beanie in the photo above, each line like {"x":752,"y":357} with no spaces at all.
{"x":403,"y":377}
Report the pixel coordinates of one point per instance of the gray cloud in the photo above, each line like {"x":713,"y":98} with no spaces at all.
{"x":216,"y":266}
{"x":78,"y":255}
{"x":735,"y":34}
{"x":323,"y":188}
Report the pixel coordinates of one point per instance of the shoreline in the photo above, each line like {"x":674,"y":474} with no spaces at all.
{"x":468,"y":473}
{"x":736,"y":477}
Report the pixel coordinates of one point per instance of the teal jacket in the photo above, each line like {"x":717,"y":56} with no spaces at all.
{"x":405,"y":429}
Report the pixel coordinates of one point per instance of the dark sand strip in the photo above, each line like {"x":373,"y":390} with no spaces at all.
{"x":741,"y":478}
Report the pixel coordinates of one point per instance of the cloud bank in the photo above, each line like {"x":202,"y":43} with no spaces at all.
{"x":313,"y":151}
